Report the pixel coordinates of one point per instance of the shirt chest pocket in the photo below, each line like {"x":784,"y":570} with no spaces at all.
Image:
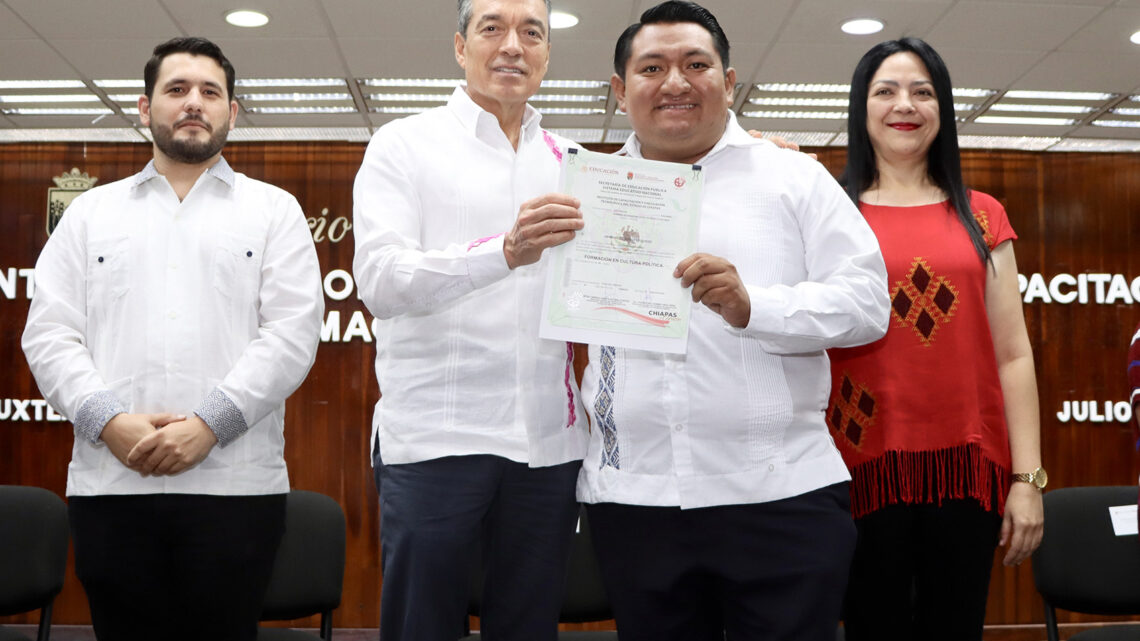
{"x":236,"y":271}
{"x":108,"y":274}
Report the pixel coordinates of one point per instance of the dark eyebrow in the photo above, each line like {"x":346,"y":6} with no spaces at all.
{"x":653,"y":55}
{"x":182,"y":81}
{"x":895,"y":83}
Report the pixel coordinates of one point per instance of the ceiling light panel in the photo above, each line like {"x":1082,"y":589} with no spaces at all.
{"x":1025,"y":120}
{"x":1045,"y":108}
{"x":94,"y":134}
{"x":258,"y":95}
{"x":294,"y":96}
{"x":1111,"y":122}
{"x":6,"y":85}
{"x":259,"y":134}
{"x":582,"y":136}
{"x":617,"y":136}
{"x":56,"y":111}
{"x":1086,"y":96}
{"x":1097,"y":145}
{"x":404,"y":96}
{"x":806,"y":101}
{"x":818,"y":101}
{"x":804,"y":138}
{"x":1127,"y":115}
{"x":797,"y":115}
{"x":120,"y":84}
{"x":1023,"y":143}
{"x":49,"y":98}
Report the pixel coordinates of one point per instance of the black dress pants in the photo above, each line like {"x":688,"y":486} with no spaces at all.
{"x":922,"y":573}
{"x":771,"y":571}
{"x":175,"y":566}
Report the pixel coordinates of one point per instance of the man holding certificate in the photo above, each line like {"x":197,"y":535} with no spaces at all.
{"x":718,"y":502}
{"x":479,"y":433}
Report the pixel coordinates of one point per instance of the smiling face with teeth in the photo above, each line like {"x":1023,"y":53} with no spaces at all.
{"x":676,"y":91}
{"x":504,"y":54}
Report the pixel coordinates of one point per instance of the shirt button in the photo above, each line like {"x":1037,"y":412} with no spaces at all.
{"x":678,"y":427}
{"x":771,"y":468}
{"x":172,"y":315}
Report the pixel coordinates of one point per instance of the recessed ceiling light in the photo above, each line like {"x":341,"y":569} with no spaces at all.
{"x":562,"y":20}
{"x":1135,"y":38}
{"x":247,"y":18}
{"x":862,"y":26}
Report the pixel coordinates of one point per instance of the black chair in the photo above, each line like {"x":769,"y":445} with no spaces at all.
{"x":1082,"y":566}
{"x":33,"y":554}
{"x":309,"y":571}
{"x":585,"y":600}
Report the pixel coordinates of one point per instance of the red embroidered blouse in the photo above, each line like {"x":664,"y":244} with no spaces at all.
{"x":918,"y":415}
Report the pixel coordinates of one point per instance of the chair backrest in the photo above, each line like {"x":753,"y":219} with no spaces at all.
{"x":308,"y":573}
{"x":1081,"y":565}
{"x":33,"y":548}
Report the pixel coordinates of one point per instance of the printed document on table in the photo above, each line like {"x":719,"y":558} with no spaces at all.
{"x":613,"y":284}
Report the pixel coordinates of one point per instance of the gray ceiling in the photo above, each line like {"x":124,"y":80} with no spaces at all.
{"x":1079,"y":45}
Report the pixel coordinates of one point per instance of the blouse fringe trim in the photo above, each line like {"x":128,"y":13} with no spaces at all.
{"x":929,"y":477}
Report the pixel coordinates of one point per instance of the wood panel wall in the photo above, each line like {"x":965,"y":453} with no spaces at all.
{"x":1073,"y":213}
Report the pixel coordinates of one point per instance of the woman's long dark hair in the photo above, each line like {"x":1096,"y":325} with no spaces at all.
{"x":942,"y":160}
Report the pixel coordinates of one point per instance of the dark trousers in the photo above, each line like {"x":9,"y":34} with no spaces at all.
{"x":436,"y":516}
{"x":175,"y":566}
{"x":922,"y":572}
{"x":767,"y":571}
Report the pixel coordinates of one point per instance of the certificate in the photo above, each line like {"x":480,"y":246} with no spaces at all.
{"x":613,"y":283}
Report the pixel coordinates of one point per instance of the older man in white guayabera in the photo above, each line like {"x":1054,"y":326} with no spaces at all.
{"x":478,"y":435}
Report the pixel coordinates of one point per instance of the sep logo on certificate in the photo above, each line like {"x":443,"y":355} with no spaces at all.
{"x":613,"y":284}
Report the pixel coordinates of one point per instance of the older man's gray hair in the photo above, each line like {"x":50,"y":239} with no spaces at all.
{"x":465,"y":15}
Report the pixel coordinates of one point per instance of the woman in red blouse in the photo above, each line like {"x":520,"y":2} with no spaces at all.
{"x":938,"y":421}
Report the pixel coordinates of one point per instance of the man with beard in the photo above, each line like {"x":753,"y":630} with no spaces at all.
{"x":174,"y":312}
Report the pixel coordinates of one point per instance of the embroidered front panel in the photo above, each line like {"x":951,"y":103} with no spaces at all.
{"x":852,"y":411}
{"x":984,"y":222}
{"x":923,"y":301}
{"x":567,"y":380}
{"x":604,"y":408}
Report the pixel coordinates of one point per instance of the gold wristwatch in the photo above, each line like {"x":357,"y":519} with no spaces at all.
{"x":1037,"y":478}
